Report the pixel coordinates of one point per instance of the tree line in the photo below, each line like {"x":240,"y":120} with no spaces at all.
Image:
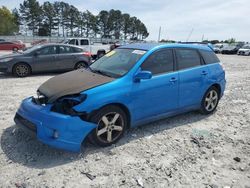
{"x":62,"y":19}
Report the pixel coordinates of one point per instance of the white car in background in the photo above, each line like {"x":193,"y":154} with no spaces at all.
{"x":218,"y":47}
{"x":96,"y":50}
{"x":245,"y":50}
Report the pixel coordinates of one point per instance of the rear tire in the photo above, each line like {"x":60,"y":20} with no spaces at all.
{"x":21,"y":70}
{"x":210,"y":101}
{"x":111,"y":124}
{"x":81,"y":65}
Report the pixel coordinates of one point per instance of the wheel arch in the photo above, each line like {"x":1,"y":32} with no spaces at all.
{"x":120,"y":105}
{"x":217,"y":86}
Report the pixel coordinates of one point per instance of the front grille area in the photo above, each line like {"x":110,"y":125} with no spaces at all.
{"x":29,"y":125}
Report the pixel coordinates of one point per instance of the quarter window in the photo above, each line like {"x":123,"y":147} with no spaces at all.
{"x":209,"y":57}
{"x":187,"y":58}
{"x":78,"y":50}
{"x":159,"y":62}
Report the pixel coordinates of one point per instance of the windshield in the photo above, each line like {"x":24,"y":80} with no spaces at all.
{"x":246,"y":47}
{"x":118,"y":62}
{"x":32,"y":49}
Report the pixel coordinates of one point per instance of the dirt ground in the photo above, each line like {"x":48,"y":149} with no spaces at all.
{"x":189,"y":150}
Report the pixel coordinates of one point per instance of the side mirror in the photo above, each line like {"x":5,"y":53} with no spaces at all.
{"x":36,"y":53}
{"x":142,"y":75}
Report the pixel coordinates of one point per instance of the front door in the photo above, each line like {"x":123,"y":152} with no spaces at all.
{"x":158,"y":95}
{"x":45,"y":59}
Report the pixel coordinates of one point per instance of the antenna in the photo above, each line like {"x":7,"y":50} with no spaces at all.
{"x":190,"y":34}
{"x":159,"y":36}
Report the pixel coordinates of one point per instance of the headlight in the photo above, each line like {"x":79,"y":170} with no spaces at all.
{"x":6,"y":60}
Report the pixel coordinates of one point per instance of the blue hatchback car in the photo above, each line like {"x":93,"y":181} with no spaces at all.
{"x":129,"y":86}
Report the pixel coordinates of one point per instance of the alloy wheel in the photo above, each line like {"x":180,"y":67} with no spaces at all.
{"x":22,"y":70}
{"x":110,"y":127}
{"x":80,"y":66}
{"x":211,"y":100}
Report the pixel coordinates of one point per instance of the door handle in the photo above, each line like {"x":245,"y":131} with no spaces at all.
{"x":173,"y":80}
{"x":204,"y":73}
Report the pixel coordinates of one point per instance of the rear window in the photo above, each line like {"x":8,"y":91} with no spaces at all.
{"x":209,"y":57}
{"x":187,"y":58}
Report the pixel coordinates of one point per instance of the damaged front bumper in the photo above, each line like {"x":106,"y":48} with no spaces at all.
{"x":55,"y":129}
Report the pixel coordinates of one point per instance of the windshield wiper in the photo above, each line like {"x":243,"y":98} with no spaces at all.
{"x":99,"y":72}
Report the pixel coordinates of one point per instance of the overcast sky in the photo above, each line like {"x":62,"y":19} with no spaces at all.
{"x":215,"y":19}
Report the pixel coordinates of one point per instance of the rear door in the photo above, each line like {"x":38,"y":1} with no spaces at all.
{"x":158,"y":95}
{"x":67,"y":58}
{"x":45,"y":59}
{"x":193,"y":77}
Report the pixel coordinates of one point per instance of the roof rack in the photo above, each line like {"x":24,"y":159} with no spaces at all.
{"x":199,"y":43}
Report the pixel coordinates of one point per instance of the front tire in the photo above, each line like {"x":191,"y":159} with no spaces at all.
{"x":111,"y":124}
{"x":21,"y":70}
{"x":210,"y":100}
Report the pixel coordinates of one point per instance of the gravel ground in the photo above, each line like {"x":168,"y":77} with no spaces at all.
{"x":189,"y":150}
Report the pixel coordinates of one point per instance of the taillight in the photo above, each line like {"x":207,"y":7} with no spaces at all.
{"x":88,"y":54}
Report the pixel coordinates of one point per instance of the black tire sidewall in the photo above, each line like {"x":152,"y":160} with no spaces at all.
{"x":15,"y":72}
{"x":96,"y":118}
{"x":203,"y":108}
{"x":85,"y":65}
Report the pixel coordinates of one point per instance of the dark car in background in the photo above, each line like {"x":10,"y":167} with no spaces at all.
{"x":231,"y":48}
{"x":45,"y":58}
{"x":15,"y":46}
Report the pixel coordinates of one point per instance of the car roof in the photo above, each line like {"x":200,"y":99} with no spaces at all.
{"x":150,"y":46}
{"x":59,"y":44}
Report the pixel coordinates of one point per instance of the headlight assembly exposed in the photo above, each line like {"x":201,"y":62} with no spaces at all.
{"x":65,"y":104}
{"x":5,"y":60}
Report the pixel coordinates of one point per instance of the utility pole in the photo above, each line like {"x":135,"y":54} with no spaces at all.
{"x":202,"y":38}
{"x":159,"y":36}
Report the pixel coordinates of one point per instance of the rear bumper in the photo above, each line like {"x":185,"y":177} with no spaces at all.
{"x":223,"y":87}
{"x":54,"y":129}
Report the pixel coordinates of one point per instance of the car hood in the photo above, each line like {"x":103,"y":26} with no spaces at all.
{"x":13,"y":55}
{"x":71,"y":83}
{"x":244,"y":50}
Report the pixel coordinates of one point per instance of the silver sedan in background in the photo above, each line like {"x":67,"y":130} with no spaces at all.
{"x":45,"y":58}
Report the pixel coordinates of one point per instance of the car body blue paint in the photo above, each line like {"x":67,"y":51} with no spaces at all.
{"x":148,"y":100}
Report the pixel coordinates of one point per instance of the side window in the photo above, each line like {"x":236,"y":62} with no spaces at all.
{"x":47,"y":50}
{"x":187,"y":58}
{"x":77,"y":43}
{"x":209,"y":57}
{"x":84,"y":42}
{"x":66,"y":49}
{"x":72,"y":41}
{"x":159,"y":62}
